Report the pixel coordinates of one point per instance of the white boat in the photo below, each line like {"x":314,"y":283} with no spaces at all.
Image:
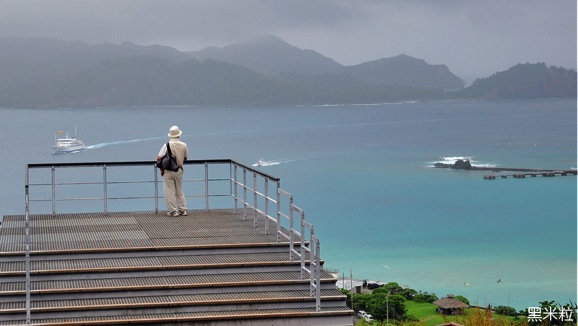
{"x":67,"y":144}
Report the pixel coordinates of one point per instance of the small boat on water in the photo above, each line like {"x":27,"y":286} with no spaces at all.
{"x":67,"y":144}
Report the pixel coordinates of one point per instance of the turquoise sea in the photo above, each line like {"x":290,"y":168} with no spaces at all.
{"x":364,"y":176}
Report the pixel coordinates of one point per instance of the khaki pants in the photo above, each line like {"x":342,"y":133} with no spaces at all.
{"x":173,"y":189}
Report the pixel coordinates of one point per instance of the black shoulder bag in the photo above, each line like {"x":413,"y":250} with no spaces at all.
{"x":168,"y":161}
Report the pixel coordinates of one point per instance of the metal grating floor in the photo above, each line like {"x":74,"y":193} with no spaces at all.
{"x":129,"y":230}
{"x":144,"y":263}
{"x":189,"y":316}
{"x":174,"y":300}
{"x":154,"y":282}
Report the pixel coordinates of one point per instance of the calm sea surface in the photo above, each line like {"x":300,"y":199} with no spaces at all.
{"x":364,"y":176}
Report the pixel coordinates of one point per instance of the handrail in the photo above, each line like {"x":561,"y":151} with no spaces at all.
{"x":261,"y":194}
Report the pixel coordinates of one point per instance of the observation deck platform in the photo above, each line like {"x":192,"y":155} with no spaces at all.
{"x":257,"y":263}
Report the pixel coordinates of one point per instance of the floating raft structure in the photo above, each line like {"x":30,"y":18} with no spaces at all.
{"x":531,"y":174}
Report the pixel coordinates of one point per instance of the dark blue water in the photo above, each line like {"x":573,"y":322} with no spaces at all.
{"x":363,"y":174}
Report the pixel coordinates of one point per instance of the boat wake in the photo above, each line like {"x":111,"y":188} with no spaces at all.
{"x":69,"y":152}
{"x":452,"y":159}
{"x":272,"y":162}
{"x":121,"y":142}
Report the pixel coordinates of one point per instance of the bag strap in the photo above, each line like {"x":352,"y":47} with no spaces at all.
{"x":169,"y":150}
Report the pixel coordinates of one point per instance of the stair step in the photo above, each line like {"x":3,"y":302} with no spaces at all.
{"x":251,"y":317}
{"x":157,"y":282}
{"x":147,"y":263}
{"x":132,"y":302}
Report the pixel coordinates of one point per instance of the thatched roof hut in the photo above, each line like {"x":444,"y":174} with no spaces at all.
{"x":450,"y":305}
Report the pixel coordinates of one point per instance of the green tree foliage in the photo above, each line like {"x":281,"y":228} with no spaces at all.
{"x":425,"y":297}
{"x":505,"y":310}
{"x":380,"y":304}
{"x":360,"y":301}
{"x":381,"y":300}
{"x":462,"y":299}
{"x":408,"y":293}
{"x":392,"y":288}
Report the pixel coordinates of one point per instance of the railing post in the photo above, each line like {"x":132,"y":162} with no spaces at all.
{"x":207,"y":186}
{"x":278,"y":210}
{"x":255,"y":199}
{"x":317,"y":258}
{"x":27,"y":245}
{"x":105,"y":185}
{"x":313,"y":276}
{"x":266,"y":205}
{"x":244,"y":194}
{"x":302,"y":248}
{"x":235,"y":187}
{"x":156,"y":179}
{"x":291,"y":229}
{"x":53,"y":171}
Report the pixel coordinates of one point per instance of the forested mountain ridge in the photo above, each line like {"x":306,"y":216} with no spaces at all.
{"x":271,"y":56}
{"x":524,"y":81}
{"x":407,"y":71}
{"x":51,"y":73}
{"x":153,"y":81}
{"x":25,"y":60}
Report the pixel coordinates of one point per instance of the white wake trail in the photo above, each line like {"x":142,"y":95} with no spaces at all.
{"x":121,"y":142}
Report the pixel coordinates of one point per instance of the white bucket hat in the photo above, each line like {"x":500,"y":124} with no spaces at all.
{"x":174,"y":132}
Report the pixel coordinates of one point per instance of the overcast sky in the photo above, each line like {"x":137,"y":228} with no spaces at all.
{"x":474,"y":38}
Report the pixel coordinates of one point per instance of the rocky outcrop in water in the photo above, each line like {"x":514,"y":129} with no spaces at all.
{"x":459,"y":165}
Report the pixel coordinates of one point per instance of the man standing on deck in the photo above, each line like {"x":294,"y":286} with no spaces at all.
{"x":173,"y":181}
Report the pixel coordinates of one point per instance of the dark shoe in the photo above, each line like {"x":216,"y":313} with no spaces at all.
{"x":183,"y":212}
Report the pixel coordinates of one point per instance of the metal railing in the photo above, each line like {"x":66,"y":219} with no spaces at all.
{"x":221,"y":183}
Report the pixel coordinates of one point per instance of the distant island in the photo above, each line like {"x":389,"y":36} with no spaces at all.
{"x":49,"y":73}
{"x":524,"y":81}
